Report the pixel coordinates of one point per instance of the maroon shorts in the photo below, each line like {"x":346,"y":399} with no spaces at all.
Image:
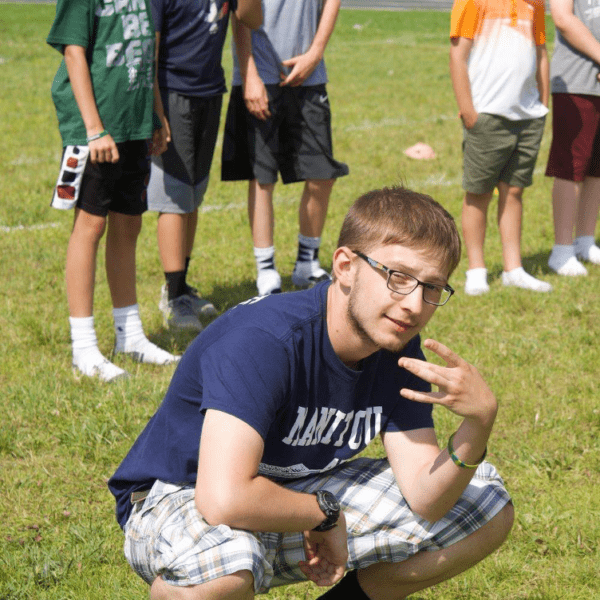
{"x":575,"y":150}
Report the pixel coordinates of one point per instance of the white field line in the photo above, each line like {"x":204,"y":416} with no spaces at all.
{"x":439,"y":180}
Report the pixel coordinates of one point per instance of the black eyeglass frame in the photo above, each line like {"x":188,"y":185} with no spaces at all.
{"x":389,"y":272}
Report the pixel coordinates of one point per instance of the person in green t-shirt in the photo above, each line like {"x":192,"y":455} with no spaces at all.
{"x":109,"y":114}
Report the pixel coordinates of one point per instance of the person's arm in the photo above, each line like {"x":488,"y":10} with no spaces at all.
{"x":428,"y":478}
{"x":573,"y":29}
{"x":303,"y":65}
{"x":103,"y":149}
{"x":543,"y":74}
{"x":460,"y":48}
{"x":250,"y":13}
{"x":255,"y":93}
{"x":162,"y":135}
{"x":229,"y":491}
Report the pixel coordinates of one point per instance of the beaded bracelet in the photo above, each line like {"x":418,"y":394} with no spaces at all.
{"x":96,"y":136}
{"x":457,"y":461}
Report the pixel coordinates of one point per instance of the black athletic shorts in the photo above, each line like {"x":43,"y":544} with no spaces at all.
{"x":119,"y":187}
{"x":295,"y":141}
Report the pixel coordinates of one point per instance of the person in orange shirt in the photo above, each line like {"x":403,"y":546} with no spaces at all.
{"x":499,"y":70}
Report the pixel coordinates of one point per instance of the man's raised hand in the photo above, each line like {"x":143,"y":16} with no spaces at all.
{"x":462,"y":389}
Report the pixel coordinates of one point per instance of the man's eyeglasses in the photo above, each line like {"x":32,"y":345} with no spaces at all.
{"x":402,"y":283}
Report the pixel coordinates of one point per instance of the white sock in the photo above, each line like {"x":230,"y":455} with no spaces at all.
{"x":268,"y":280}
{"x":564,"y":262}
{"x":586,"y":249}
{"x":87,"y":358}
{"x":520,"y":278}
{"x":307,"y":260}
{"x":132,"y":340}
{"x":476,"y":282}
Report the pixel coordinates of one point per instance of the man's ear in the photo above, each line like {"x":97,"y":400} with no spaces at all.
{"x":343,"y":266}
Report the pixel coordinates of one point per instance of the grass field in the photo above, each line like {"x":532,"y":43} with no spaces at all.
{"x":60,"y":440}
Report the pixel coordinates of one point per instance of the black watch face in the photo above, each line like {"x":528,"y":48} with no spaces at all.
{"x":330,"y":503}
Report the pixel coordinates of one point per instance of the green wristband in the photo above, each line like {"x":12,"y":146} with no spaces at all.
{"x":96,"y":136}
{"x":457,"y":461}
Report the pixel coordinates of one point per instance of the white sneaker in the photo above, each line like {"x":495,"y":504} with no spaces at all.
{"x":571,"y":268}
{"x":305,"y":279}
{"x":180,"y":314}
{"x":268,"y":282}
{"x":476,"y":282}
{"x":520,"y":278}
{"x":104,"y":371}
{"x":592,"y":255}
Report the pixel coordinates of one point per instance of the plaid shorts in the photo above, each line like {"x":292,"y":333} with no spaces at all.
{"x":165,"y":535}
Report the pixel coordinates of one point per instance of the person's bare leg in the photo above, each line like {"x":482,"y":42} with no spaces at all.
{"x":80,"y":270}
{"x":474,"y":223}
{"x":261,"y":213}
{"x":510,"y":217}
{"x":82,"y":252}
{"x":121,"y":240}
{"x":171,"y":232}
{"x":587,"y":217}
{"x":238,"y":586}
{"x":313,"y":206}
{"x":262,"y":225}
{"x":311,"y":216}
{"x":191,"y":226}
{"x":394,"y":581}
{"x":565,"y":200}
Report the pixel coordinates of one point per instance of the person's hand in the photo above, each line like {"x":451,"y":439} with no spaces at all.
{"x":103,"y":149}
{"x":462,"y":389}
{"x":256,"y":98}
{"x":469,"y":119}
{"x":326,"y":554}
{"x":160,"y":138}
{"x":301,"y":67}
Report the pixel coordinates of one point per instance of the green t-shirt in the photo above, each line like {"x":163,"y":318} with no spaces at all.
{"x":119,"y":39}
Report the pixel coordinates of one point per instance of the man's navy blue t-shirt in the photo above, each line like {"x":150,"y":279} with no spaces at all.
{"x":269,"y":362}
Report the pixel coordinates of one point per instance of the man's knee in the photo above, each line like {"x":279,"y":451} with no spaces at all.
{"x":502,"y":523}
{"x":237,"y":586}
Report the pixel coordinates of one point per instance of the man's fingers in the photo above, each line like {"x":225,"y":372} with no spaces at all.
{"x":451,"y":358}
{"x":424,"y":397}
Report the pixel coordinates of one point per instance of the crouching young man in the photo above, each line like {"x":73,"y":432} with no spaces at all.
{"x":246,"y":476}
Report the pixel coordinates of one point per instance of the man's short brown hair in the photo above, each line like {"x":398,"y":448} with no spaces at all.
{"x":398,"y":215}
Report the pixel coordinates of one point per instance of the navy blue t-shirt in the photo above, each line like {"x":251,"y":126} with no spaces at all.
{"x":192,"y":35}
{"x":269,"y":362}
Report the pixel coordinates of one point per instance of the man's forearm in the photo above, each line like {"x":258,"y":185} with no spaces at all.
{"x":331,"y":9}
{"x":461,"y":85}
{"x":543,"y":74}
{"x":441,"y":484}
{"x":258,"y":505}
{"x":579,"y":36}
{"x":250,"y":13}
{"x":81,"y":83}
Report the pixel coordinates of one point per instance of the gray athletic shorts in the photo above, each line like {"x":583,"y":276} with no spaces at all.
{"x":165,"y":535}
{"x":498,"y":149}
{"x":295,"y":140}
{"x":179,"y":176}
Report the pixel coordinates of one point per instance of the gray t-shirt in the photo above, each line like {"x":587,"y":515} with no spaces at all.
{"x":288,"y":29}
{"x":571,"y":71}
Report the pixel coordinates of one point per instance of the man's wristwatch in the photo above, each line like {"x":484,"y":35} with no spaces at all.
{"x":331,"y":509}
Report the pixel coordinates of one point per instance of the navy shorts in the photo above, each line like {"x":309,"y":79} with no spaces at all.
{"x":295,"y":141}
